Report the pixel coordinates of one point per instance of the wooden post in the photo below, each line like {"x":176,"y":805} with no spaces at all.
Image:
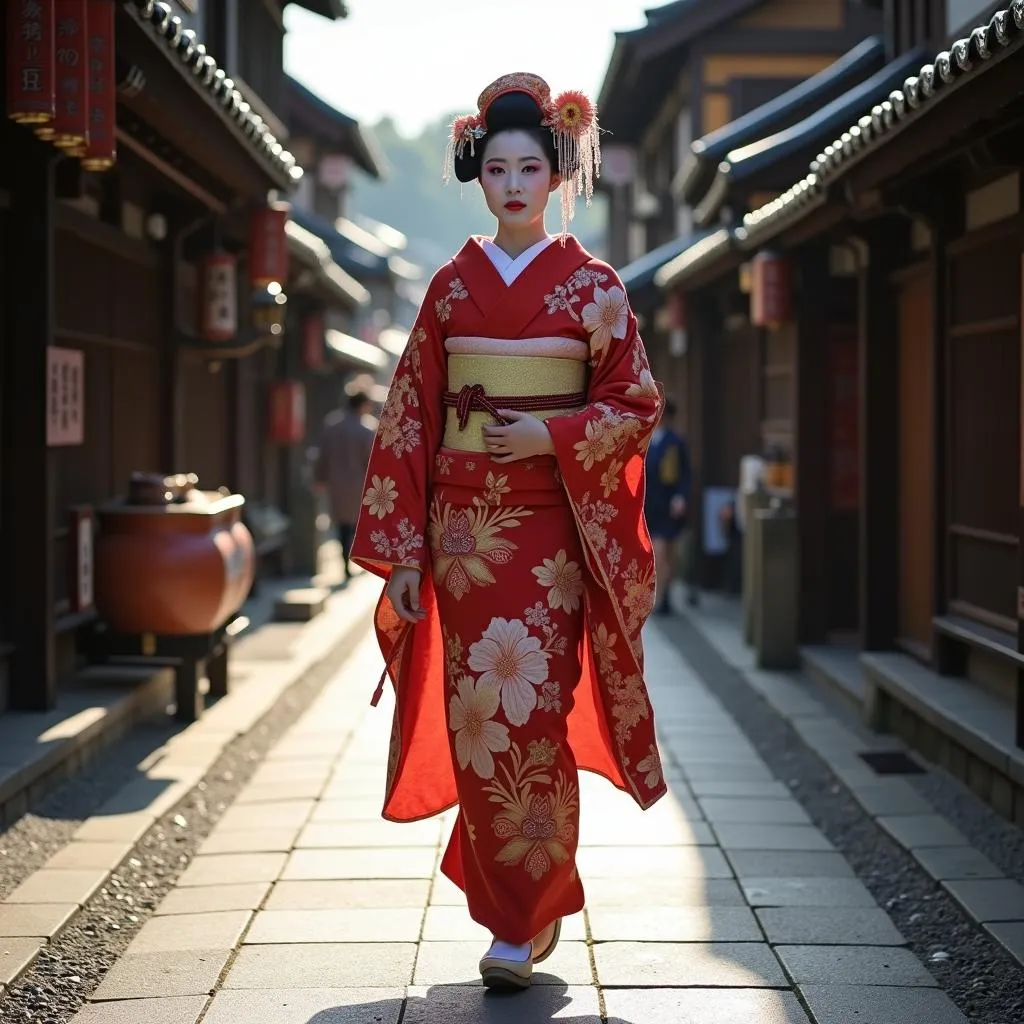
{"x":1019,"y":724}
{"x":29,"y":569}
{"x":812,"y":442}
{"x":878,"y":343}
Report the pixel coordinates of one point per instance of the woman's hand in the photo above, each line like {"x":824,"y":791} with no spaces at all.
{"x":525,"y":436}
{"x":403,"y":591}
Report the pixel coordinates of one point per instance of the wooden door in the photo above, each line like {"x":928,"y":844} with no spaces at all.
{"x":917,"y":474}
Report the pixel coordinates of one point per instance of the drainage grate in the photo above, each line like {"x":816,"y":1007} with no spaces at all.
{"x":891,"y":762}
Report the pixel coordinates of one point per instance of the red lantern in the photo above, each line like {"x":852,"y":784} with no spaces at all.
{"x":71,"y":124}
{"x":676,"y":311}
{"x":770,"y":294}
{"x":218,"y":297}
{"x":268,"y":246}
{"x":287,"y":420}
{"x":31,"y":89}
{"x":313,"y":342}
{"x":101,"y":150}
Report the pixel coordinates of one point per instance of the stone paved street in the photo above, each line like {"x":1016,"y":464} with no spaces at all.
{"x":723,"y":904}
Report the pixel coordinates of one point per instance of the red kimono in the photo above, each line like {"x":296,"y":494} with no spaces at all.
{"x":537,"y":575}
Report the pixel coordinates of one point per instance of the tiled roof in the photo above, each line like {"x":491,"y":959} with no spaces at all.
{"x":918,"y":93}
{"x":640,"y":274}
{"x":161,"y":21}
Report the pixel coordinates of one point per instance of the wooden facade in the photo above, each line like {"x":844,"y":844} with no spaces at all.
{"x":104,"y":266}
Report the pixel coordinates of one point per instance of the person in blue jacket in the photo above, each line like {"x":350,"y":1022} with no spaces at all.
{"x":667,"y":500}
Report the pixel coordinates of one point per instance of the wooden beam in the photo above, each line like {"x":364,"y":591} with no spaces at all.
{"x":28,"y":595}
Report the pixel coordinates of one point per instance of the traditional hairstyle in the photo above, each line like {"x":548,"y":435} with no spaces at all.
{"x":566,"y":127}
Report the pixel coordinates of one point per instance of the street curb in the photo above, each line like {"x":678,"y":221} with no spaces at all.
{"x":172,"y":773}
{"x":925,"y":836}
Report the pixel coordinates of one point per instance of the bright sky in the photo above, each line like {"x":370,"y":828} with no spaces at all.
{"x":418,"y":59}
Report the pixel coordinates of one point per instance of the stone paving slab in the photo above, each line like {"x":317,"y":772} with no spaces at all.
{"x":173,"y":1010}
{"x":370,"y":834}
{"x":275,"y":792}
{"x":952,"y":862}
{"x":376,"y":925}
{"x":272,"y":839}
{"x":351,"y":894}
{"x":599,"y":862}
{"x":661,"y":891}
{"x":728,"y":788}
{"x":456,"y":963}
{"x":807,"y":892}
{"x":246,"y":817}
{"x":921,"y":831}
{"x":828,"y":926}
{"x":228,"y":868}
{"x":323,"y":965}
{"x":453,"y":924}
{"x":15,"y":956}
{"x":191,"y":972}
{"x":853,"y":965}
{"x":308,"y":1006}
{"x":989,"y":899}
{"x":666,"y":964}
{"x":727,"y":772}
{"x":674,"y":924}
{"x":465,"y":1005}
{"x":349,"y":810}
{"x":1011,"y":935}
{"x":83,"y":855}
{"x":55,"y":886}
{"x":112,"y":827}
{"x":213,"y":899}
{"x":726,"y":811}
{"x":666,"y":832}
{"x":34,"y":920}
{"x":216,"y":930}
{"x":785,"y":864}
{"x":873,"y":1004}
{"x":704,"y":1006}
{"x":772,"y":837}
{"x":414,"y":862}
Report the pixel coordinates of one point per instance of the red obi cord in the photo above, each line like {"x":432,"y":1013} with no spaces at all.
{"x":473,"y":398}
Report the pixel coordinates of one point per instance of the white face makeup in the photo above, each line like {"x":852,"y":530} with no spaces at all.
{"x":517,"y":180}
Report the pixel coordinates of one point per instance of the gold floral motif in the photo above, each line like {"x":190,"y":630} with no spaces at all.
{"x":563,"y":580}
{"x":413,"y":358}
{"x":565,"y":296}
{"x":477,"y":737}
{"x":454,"y":652}
{"x":380,"y":496}
{"x":651,"y":764}
{"x":463,"y":541}
{"x":397,"y":431}
{"x":542,"y":752}
{"x":497,"y":487}
{"x":508,"y":657}
{"x":538,"y":827}
{"x":605,"y":318}
{"x":604,"y":647}
{"x":456,"y":291}
{"x":444,"y":465}
{"x":610,"y":477}
{"x":400,"y":548}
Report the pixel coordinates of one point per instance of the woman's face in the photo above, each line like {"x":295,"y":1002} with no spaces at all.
{"x":516,"y":178}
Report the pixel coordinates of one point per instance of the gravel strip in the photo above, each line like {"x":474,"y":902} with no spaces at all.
{"x":73,"y":966}
{"x":983,"y":980}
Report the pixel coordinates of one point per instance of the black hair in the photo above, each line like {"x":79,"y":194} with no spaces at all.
{"x":358,"y":399}
{"x":514,"y":111}
{"x":670,"y":409}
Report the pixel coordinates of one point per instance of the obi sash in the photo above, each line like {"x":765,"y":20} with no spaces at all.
{"x":542,"y":376}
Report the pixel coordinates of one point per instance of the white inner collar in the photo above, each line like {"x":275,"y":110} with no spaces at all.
{"x":510,"y":268}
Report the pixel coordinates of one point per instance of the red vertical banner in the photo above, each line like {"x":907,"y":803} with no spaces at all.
{"x":268,"y":246}
{"x":770,"y":296}
{"x":845,"y":426}
{"x":313,"y":342}
{"x":31,"y":90}
{"x":71,"y":123}
{"x":287,"y":421}
{"x":101,"y":150}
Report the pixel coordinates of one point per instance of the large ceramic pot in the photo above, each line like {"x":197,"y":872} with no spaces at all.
{"x":174,"y":569}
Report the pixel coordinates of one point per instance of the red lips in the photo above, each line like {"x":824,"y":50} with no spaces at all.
{"x":515,"y":205}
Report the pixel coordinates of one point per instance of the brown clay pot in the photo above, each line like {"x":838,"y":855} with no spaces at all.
{"x":173,"y":570}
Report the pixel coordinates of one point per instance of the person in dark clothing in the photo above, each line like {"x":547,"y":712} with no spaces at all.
{"x":341,"y":465}
{"x":667,"y":500}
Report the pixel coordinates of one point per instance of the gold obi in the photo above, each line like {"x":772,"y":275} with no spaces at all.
{"x":507,"y":376}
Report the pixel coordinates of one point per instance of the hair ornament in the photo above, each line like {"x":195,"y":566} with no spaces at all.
{"x":465,"y":131}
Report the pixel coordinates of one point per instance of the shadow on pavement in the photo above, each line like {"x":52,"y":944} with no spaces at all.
{"x":472,"y":1004}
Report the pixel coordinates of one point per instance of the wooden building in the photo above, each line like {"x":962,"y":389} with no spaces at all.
{"x":109,"y":367}
{"x":897,"y":262}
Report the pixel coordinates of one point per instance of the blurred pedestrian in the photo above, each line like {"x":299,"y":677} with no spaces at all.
{"x":667,"y":501}
{"x":345,"y":448}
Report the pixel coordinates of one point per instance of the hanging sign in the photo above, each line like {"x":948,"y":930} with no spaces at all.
{"x":82,"y":534}
{"x":65,"y":399}
{"x":31,"y":90}
{"x":71,"y":123}
{"x":287,"y":420}
{"x":218,"y":297}
{"x":101,"y":150}
{"x":268,"y":246}
{"x":770,"y":298}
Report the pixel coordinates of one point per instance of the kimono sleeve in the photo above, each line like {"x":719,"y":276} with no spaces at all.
{"x":600,"y":449}
{"x":392,"y":519}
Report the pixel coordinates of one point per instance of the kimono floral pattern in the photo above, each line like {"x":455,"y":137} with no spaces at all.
{"x":537,"y":576}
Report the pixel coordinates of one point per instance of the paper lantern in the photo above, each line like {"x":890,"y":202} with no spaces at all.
{"x":286,"y":423}
{"x":30,"y":56}
{"x":268,"y":246}
{"x":771,"y":290}
{"x":101,"y":149}
{"x":71,"y":122}
{"x":218,"y":297}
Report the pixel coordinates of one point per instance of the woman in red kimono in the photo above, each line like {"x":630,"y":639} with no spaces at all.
{"x":504,"y":508}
